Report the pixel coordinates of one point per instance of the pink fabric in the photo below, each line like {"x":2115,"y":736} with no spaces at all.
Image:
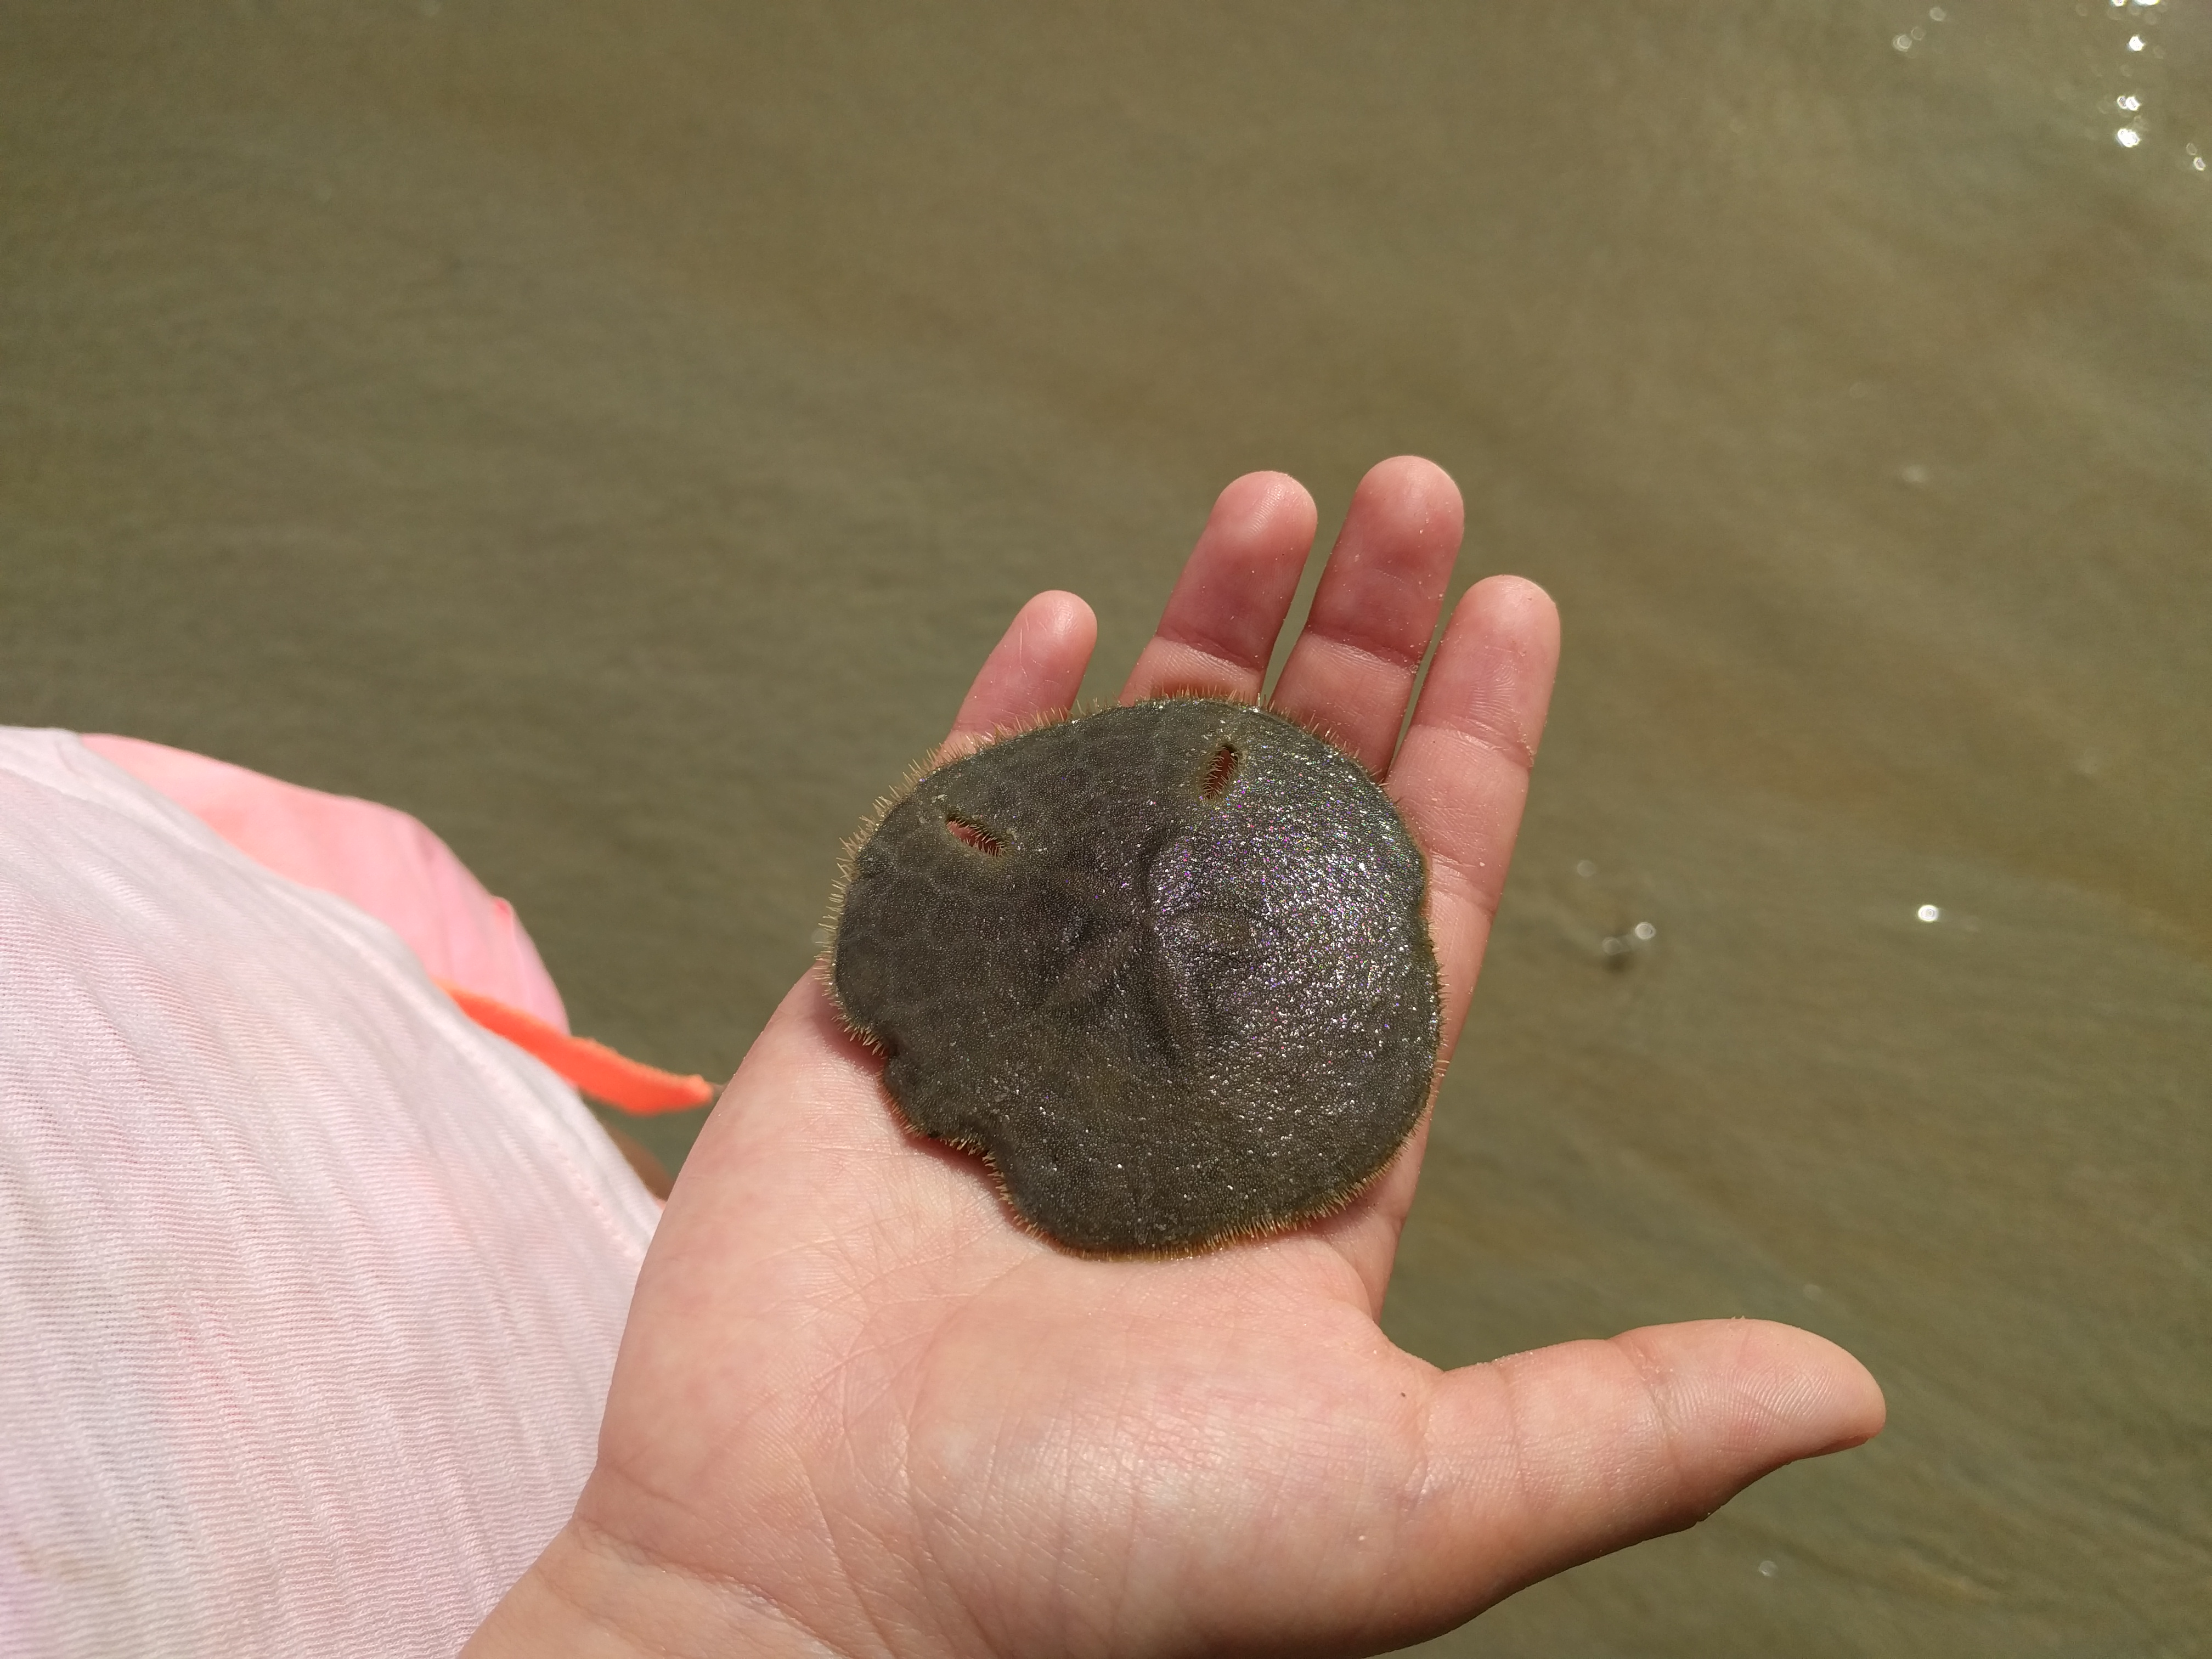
{"x":376,"y":858}
{"x":310,"y":1288}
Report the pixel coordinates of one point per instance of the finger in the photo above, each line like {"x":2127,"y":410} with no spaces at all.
{"x":1533,"y":1463}
{"x":1220,"y":625}
{"x":1460,"y":779}
{"x":1353,"y":669}
{"x":1035,"y":670}
{"x":1462,"y":776}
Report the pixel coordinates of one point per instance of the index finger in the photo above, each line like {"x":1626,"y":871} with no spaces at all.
{"x":1460,"y":779}
{"x":1462,"y":775}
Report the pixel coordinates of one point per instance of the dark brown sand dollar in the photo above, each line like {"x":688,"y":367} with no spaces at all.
{"x":1165,"y":966}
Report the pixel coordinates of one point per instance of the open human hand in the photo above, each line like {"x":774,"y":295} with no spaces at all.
{"x":858,"y":1410}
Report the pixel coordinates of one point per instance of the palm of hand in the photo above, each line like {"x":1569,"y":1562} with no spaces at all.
{"x":858,"y":1410}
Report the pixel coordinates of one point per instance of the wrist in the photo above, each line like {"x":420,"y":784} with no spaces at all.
{"x":589,"y":1596}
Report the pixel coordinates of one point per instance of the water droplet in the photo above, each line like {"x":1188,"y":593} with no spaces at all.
{"x":1814,"y":1293}
{"x":1937,"y":13}
{"x":1767,"y":1570}
{"x":2128,"y":138}
{"x":2130,"y":101}
{"x":1929,"y":912}
{"x":1903,"y":43}
{"x":1646,"y":932}
{"x":1914,"y":474}
{"x":2134,"y":43}
{"x":1585,"y":869}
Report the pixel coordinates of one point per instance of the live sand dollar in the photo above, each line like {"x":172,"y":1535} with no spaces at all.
{"x":1166,"y":967}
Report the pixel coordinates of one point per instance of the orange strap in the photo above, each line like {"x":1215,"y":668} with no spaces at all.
{"x":596,"y":1069}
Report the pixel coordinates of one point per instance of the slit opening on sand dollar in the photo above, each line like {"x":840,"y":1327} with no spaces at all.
{"x":974,"y":836}
{"x":1221,"y":774}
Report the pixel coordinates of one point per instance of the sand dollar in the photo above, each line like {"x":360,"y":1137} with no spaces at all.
{"x":1165,"y":966}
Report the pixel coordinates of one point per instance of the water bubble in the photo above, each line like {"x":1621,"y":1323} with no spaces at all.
{"x":1767,"y":1570}
{"x":2130,"y":102}
{"x":2198,"y":164}
{"x":1914,"y":474}
{"x":2134,"y":43}
{"x":1929,"y":912}
{"x":1937,"y":13}
{"x":1585,"y":869}
{"x":2128,"y":138}
{"x":1645,"y":930}
{"x":1903,"y":43}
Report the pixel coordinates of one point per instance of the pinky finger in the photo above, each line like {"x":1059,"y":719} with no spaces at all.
{"x":1035,"y":670}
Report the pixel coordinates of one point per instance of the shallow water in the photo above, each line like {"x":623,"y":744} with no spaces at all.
{"x":615,"y":435}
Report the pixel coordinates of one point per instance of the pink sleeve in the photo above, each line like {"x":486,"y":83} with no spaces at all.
{"x":376,"y":858}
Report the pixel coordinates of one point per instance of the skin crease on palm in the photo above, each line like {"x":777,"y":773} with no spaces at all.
{"x":858,"y":1411}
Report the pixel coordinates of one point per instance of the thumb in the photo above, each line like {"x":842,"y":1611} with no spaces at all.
{"x":1543,"y":1460}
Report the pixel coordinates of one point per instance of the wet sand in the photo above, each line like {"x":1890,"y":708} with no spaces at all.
{"x":615,"y":436}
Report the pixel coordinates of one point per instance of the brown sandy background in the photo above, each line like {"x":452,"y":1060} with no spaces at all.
{"x":615,"y":432}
